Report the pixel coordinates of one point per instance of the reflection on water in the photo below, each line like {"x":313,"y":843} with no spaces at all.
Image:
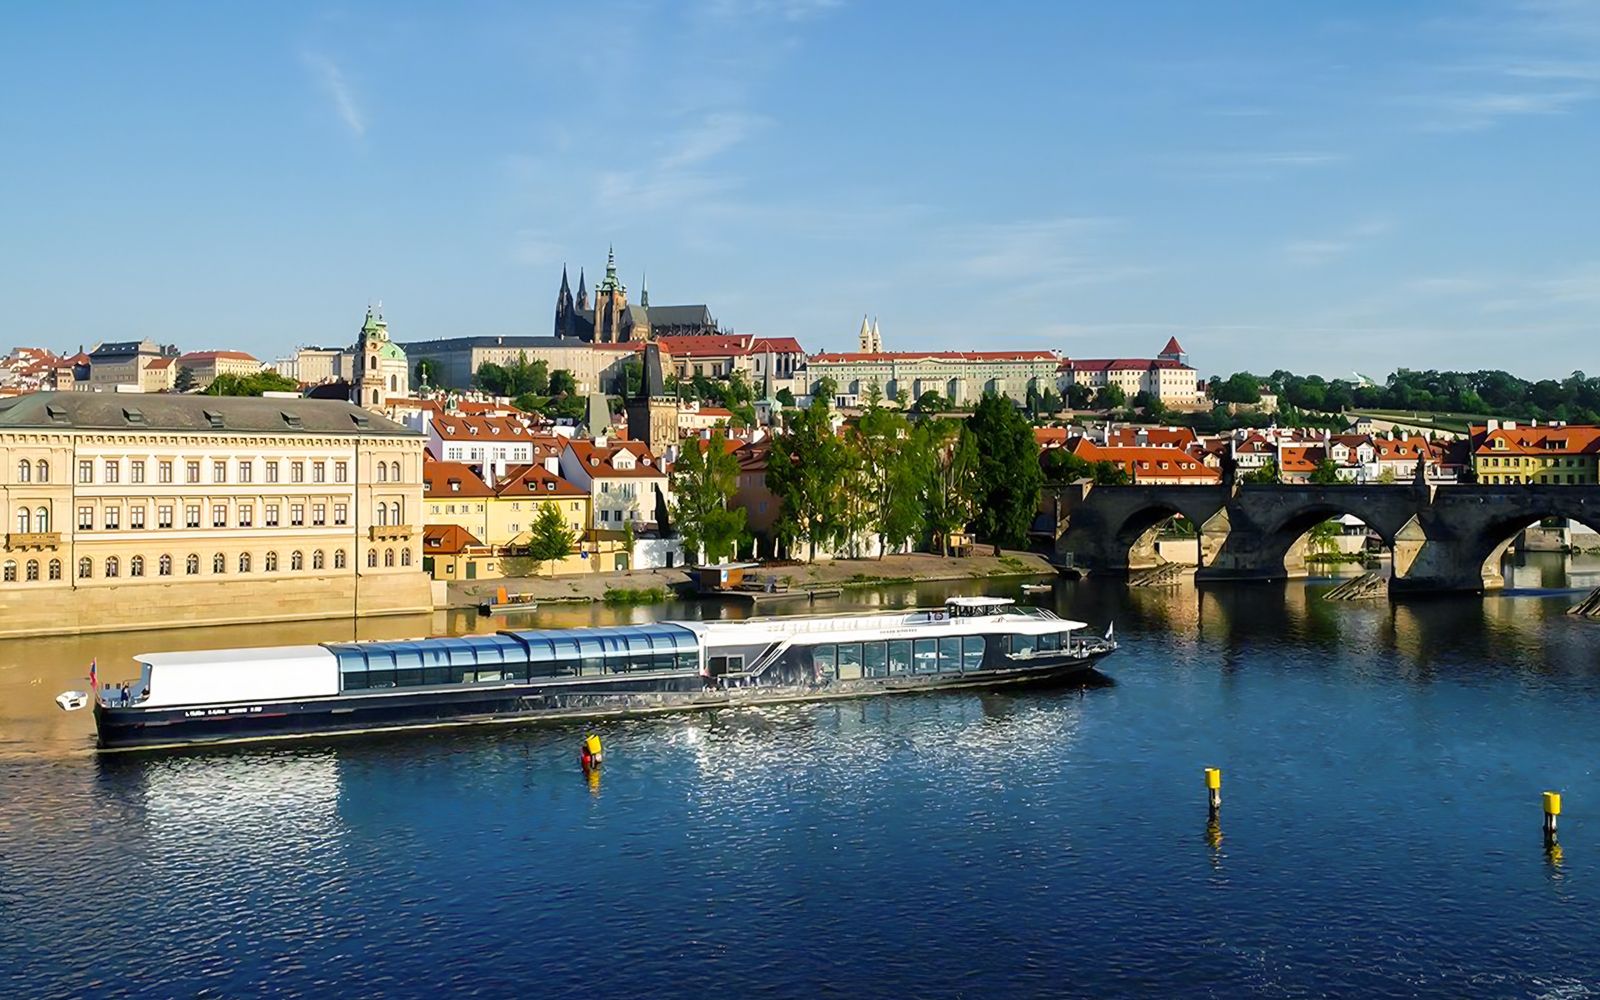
{"x":1380,"y":834}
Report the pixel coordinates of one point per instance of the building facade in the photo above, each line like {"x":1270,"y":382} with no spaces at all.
{"x":142,"y":365}
{"x":1513,"y":452}
{"x":611,"y":318}
{"x":1167,"y":377}
{"x":963,"y":377}
{"x":380,"y":369}
{"x":152,"y":512}
{"x":207,"y":365}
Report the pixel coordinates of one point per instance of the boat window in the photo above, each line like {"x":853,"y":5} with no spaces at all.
{"x":850,"y":661}
{"x":1050,"y":642}
{"x":592,"y":656}
{"x":971,"y":652}
{"x":716,"y":666}
{"x":925,"y":653}
{"x":950,"y":654}
{"x":1022,"y":644}
{"x":899,"y":656}
{"x":566,"y":656}
{"x":875,"y":659}
{"x":823,"y":661}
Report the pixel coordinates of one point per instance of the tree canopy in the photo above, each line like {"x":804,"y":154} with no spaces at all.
{"x":1008,"y":473}
{"x":704,"y":480}
{"x":549,"y":538}
{"x":518,"y":378}
{"x":254,"y":384}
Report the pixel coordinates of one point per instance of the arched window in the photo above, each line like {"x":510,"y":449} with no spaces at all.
{"x":164,"y":567}
{"x":338,"y":558}
{"x":191,"y":565}
{"x":383,"y":472}
{"x":219,"y":563}
{"x":394,"y":472}
{"x":388,"y":557}
{"x":316,"y":559}
{"x":394,"y":383}
{"x":136,"y":566}
{"x":405,"y":557}
{"x":374,"y":397}
{"x":272,"y":562}
{"x":383,"y":514}
{"x":24,"y":521}
{"x":244,"y":562}
{"x":85,"y":568}
{"x":43,"y":469}
{"x":10,"y":573}
{"x":24,"y":471}
{"x":55,"y":569}
{"x":33,"y":570}
{"x":372,"y":558}
{"x":296,"y":560}
{"x":113,"y":568}
{"x":41,"y":519}
{"x":394,"y":513}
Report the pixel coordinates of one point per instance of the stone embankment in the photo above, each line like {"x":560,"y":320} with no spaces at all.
{"x":912,"y":567}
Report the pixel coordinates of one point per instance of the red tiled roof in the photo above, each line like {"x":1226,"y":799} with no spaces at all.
{"x":216,"y":356}
{"x":597,"y":461}
{"x":777,"y":345}
{"x":158,"y":363}
{"x":1301,"y":457}
{"x":1573,"y":439}
{"x":850,"y":356}
{"x":1172,"y":347}
{"x":535,"y":480}
{"x":1148,"y":464}
{"x":470,"y":428}
{"x":1155,"y":437}
{"x":1122,"y":364}
{"x":447,"y":539}
{"x":452,"y":479}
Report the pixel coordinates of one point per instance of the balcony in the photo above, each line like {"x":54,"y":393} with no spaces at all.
{"x":390,"y":532}
{"x":33,"y":540}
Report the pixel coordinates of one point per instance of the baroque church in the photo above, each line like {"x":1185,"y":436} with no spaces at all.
{"x":612,"y":319}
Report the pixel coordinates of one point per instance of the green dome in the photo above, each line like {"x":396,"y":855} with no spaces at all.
{"x":392,"y":350}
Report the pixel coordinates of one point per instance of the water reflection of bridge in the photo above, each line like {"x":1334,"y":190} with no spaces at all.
{"x":1442,"y":538}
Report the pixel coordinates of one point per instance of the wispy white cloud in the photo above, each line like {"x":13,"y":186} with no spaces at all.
{"x":1474,"y":112}
{"x":1252,"y":164}
{"x":332,"y":81}
{"x":713,"y":134}
{"x":1322,"y":250}
{"x":1031,"y":258}
{"x":788,"y":10}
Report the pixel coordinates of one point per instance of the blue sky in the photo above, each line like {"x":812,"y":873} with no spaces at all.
{"x":1315,"y":187}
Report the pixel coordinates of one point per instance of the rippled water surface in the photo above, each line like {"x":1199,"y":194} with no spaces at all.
{"x":1380,"y":833}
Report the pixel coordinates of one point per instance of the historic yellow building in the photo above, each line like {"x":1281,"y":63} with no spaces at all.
{"x":1506,"y":452}
{"x":500,"y":519}
{"x":143,"y":511}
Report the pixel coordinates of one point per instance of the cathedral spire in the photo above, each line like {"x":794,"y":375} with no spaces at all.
{"x":611,"y":284}
{"x":644,"y":290}
{"x":865,"y":338}
{"x":583,"y":291}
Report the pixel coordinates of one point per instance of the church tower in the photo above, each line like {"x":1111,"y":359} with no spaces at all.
{"x":566,"y":325}
{"x":583,"y":292}
{"x":366,"y":387}
{"x":870,"y":340}
{"x":610,"y":305}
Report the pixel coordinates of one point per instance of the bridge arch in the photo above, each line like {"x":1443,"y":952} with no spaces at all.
{"x":1133,"y":541}
{"x":1486,"y":547}
{"x":1286,"y":546}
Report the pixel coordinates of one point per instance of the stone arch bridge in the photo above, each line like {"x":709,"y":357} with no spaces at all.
{"x":1443,"y":538}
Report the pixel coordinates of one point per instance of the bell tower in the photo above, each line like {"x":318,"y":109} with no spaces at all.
{"x":610,"y":304}
{"x":366,"y":389}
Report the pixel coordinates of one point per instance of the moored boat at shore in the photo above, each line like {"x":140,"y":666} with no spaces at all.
{"x":213,"y":696}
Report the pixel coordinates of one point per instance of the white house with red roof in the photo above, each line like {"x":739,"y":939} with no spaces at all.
{"x":1167,"y":376}
{"x":963,"y":377}
{"x":624,"y":479}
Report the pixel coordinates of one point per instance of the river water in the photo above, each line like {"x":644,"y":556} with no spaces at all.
{"x":1380,"y":831}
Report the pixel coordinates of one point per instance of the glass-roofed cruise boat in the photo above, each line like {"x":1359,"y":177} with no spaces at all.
{"x":210,"y":696}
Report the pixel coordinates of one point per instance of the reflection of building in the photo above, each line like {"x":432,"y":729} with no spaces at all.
{"x":165,"y":510}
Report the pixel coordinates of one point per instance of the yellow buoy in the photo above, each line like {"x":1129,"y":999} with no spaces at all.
{"x":1213,"y":777}
{"x":1552,"y":809}
{"x":1214,"y":789}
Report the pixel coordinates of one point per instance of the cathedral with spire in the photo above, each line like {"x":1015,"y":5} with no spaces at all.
{"x":612,"y":319}
{"x":871,"y":339}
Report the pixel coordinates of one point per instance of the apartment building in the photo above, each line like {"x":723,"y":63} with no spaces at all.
{"x":156,"y":511}
{"x":1555,"y":452}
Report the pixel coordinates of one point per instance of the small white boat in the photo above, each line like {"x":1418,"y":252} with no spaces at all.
{"x":71,"y":701}
{"x":1036,"y":588}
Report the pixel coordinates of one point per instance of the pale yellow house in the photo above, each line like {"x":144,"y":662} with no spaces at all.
{"x":154,"y":511}
{"x":207,"y":365}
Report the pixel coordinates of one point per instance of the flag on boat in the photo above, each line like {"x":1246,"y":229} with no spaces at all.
{"x":94,"y":683}
{"x":1109,"y":627}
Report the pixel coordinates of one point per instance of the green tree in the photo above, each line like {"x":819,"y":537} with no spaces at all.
{"x":1326,"y":473}
{"x":930,"y":402}
{"x":562,"y":383}
{"x":951,"y":491}
{"x":1240,"y":387}
{"x":1008,"y":472}
{"x":492,"y":378}
{"x":704,"y":480}
{"x":549,"y":538}
{"x":630,"y":380}
{"x":806,"y":472}
{"x":1107,"y":473}
{"x":1266,"y":474}
{"x":1079,"y":397}
{"x":185,"y":379}
{"x":1110,"y":396}
{"x":892,"y":462}
{"x":254,"y":384}
{"x":785,"y":397}
{"x":428,"y":372}
{"x":1062,"y":466}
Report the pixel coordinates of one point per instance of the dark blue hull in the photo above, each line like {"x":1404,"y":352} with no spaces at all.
{"x":575,"y":698}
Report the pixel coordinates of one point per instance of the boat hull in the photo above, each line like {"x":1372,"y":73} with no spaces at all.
{"x":566,"y":699}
